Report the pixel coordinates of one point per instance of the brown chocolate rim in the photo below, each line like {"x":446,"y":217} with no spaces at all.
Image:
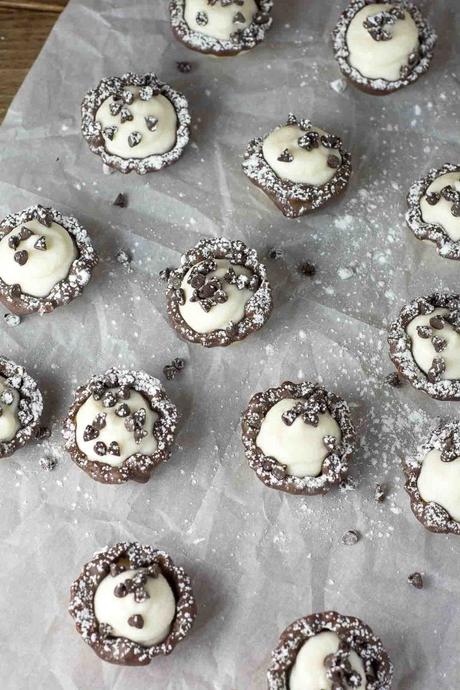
{"x":244,"y":40}
{"x":257,"y":310}
{"x":294,"y":199}
{"x":432,"y":516}
{"x":270,"y":471}
{"x":138,"y":466}
{"x":66,"y":290}
{"x":92,"y":131}
{"x":120,"y":650}
{"x":30,"y":405}
{"x":401,"y":347}
{"x":351,"y":630}
{"x":434,"y":232}
{"x":427,"y":41}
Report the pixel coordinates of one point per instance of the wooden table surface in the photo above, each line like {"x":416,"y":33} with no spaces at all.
{"x":24,"y":27}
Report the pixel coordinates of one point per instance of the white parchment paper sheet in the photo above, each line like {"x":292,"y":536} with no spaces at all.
{"x":259,"y":559}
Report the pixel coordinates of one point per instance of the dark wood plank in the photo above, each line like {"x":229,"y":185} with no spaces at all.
{"x":22,"y":34}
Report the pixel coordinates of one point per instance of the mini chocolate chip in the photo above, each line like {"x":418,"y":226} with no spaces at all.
{"x":40,"y":244}
{"x":25,"y":233}
{"x":201,"y":18}
{"x":100,"y":448}
{"x":307,"y":269}
{"x":109,"y":399}
{"x":279,"y":472}
{"x":109,"y":132}
{"x":432,"y":198}
{"x":126,"y":115}
{"x":123,"y":410}
{"x":151,"y":122}
{"x":309,"y":141}
{"x":286,"y":157}
{"x":115,"y":106}
{"x":330,"y":442}
{"x":12,"y":320}
{"x":239,"y":18}
{"x":146,"y":93}
{"x":351,"y":537}
{"x":180,"y":296}
{"x":437,"y":322}
{"x":139,"y":434}
{"x":169,"y":371}
{"x":120,"y":590}
{"x":424,"y":332}
{"x":44,"y":216}
{"x":333,"y":162}
{"x":379,"y":493}
{"x":393,"y":380}
{"x":116,"y":569}
{"x":13,"y":242}
{"x":90,"y":433}
{"x":439,"y":343}
{"x":134,"y":139}
{"x":124,"y":393}
{"x":21,"y":257}
{"x":260,"y":18}
{"x":136,"y":621}
{"x":127,"y":96}
{"x":7,"y":397}
{"x":15,"y":290}
{"x":455,"y":210}
{"x":416,"y":580}
{"x":100,"y":421}
{"x":184,"y":67}
{"x":438,"y":367}
{"x":121,"y":201}
{"x":114,"y":449}
{"x":48,"y":463}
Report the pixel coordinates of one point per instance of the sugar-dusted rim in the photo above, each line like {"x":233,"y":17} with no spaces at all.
{"x":30,"y":405}
{"x":138,"y":466}
{"x":284,"y":192}
{"x":432,"y":515}
{"x":79,"y":273}
{"x":401,"y":347}
{"x":246,"y":39}
{"x":271,"y":472}
{"x":92,"y":130}
{"x":427,"y":40}
{"x":434,"y":232}
{"x":120,"y":650}
{"x":257,"y":310}
{"x":350,"y":630}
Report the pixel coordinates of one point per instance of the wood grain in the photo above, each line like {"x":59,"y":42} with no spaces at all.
{"x":24,"y":27}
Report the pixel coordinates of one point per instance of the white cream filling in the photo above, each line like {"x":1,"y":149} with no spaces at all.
{"x":43,"y":269}
{"x":221,"y":21}
{"x":299,"y":446}
{"x":440,"y":213}
{"x":159,"y":140}
{"x":309,"y":672}
{"x":220,"y":315}
{"x":424,"y":352}
{"x":439,"y":482}
{"x":158,"y":610}
{"x":381,"y":59}
{"x":307,"y":167}
{"x":115,"y":429}
{"x":9,"y":421}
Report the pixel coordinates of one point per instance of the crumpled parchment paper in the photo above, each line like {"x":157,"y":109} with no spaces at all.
{"x":258,"y":558}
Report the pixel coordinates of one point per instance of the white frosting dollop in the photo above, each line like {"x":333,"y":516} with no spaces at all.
{"x":423,"y":350}
{"x":439,"y":482}
{"x":307,"y":167}
{"x":299,"y":446}
{"x":219,"y":315}
{"x":156,"y":140}
{"x":440,"y":213}
{"x":381,"y":59}
{"x":43,"y":268}
{"x":218,"y":21}
{"x":157,"y":611}
{"x":309,"y":672}
{"x":115,"y":429}
{"x":9,"y":421}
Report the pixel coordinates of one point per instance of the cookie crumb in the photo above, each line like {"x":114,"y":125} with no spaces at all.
{"x":48,"y":463}
{"x":379,"y":493}
{"x":170,"y":370}
{"x":351,"y":537}
{"x":393,"y":379}
{"x":184,"y":67}
{"x":274,"y":254}
{"x":12,"y":320}
{"x":42,"y":432}
{"x":307,"y":269}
